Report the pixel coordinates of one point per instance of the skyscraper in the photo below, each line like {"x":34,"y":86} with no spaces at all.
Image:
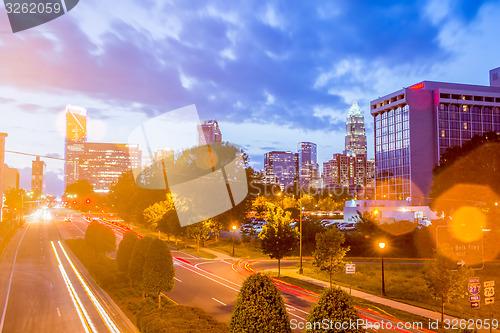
{"x":103,"y":163}
{"x":99,"y":163}
{"x":208,"y":132}
{"x":76,"y":135}
{"x":415,"y":125}
{"x":2,"y":168}
{"x":37,"y":170}
{"x":355,"y":136}
{"x":308,"y":166}
{"x":281,"y":167}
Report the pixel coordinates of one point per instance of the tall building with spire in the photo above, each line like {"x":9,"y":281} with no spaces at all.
{"x":76,"y":136}
{"x":355,"y":136}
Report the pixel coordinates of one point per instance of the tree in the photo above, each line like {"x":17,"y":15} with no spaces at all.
{"x":136,"y":264}
{"x":259,"y":308}
{"x":335,"y":306}
{"x":278,"y":238}
{"x":329,"y":254}
{"x":158,"y":273}
{"x":14,"y":198}
{"x":125,"y":249}
{"x":445,"y":280}
{"x":100,"y":238}
{"x":199,"y":232}
{"x":216,"y":226}
{"x":366,"y":225}
{"x":130,"y":200}
{"x":260,"y":205}
{"x":475,"y":163}
{"x":162,"y":216}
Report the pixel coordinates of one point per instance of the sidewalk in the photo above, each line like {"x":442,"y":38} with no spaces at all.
{"x":377,"y":299}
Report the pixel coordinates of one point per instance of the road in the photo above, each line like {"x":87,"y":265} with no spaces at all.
{"x":212,"y":285}
{"x":44,"y":289}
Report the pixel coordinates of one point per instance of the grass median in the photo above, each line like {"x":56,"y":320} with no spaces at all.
{"x":404,"y":283}
{"x":143,"y":312}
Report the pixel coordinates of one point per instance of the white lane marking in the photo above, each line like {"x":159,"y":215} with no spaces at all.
{"x":58,"y":313}
{"x":189,"y":269}
{"x":205,"y":262}
{"x":206,"y":272}
{"x":10,"y":280}
{"x":51,"y":286}
{"x":183,"y":265}
{"x":177,"y":279}
{"x":218,"y":301}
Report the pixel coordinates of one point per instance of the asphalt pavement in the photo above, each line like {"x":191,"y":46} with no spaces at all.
{"x":44,"y":289}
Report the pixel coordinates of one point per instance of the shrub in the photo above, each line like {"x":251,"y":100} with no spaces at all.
{"x":335,"y":306}
{"x":259,"y":307}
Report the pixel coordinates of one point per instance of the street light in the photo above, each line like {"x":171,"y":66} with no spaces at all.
{"x":301,"y":270}
{"x":382,"y":246}
{"x":234,"y":233}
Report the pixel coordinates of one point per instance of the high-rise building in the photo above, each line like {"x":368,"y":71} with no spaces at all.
{"x":76,"y":136}
{"x":10,"y":178}
{"x":2,"y":160}
{"x":345,"y":170}
{"x":281,"y":167}
{"x":37,"y":171}
{"x":103,"y":163}
{"x":415,"y":125}
{"x":208,"y":132}
{"x":308,"y":166}
{"x":355,"y":136}
{"x":99,"y":163}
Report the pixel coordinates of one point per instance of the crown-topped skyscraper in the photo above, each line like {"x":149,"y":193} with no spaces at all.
{"x":355,"y":136}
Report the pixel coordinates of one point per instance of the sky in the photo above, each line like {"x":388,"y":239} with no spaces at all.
{"x":273,"y":73}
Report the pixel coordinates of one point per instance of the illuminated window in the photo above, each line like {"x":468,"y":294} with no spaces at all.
{"x":442,"y":133}
{"x":465,"y":126}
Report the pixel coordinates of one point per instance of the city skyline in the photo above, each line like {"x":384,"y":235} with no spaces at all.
{"x":275,"y":75}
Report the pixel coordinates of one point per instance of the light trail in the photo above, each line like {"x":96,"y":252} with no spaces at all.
{"x":87,"y":324}
{"x":104,"y":315}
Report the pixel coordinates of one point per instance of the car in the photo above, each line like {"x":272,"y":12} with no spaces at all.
{"x":424,"y":223}
{"x":67,"y":219}
{"x":347,"y":226}
{"x":330,"y":223}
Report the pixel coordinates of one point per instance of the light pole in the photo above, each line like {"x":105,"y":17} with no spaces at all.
{"x":234,"y":233}
{"x":301,"y":270}
{"x":382,"y":246}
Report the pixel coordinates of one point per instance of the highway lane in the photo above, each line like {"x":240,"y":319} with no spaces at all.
{"x":40,"y":290}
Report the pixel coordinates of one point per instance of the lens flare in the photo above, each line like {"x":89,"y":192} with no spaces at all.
{"x":467,"y":224}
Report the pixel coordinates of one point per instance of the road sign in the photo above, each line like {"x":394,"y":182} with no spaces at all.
{"x":350,"y":268}
{"x":468,"y":254}
{"x":474,"y":286}
{"x":489,"y":300}
{"x":474,"y":305}
{"x":489,"y":284}
{"x":489,"y":292}
{"x":474,"y":298}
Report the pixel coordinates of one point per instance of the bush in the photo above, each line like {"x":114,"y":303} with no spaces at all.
{"x":125,"y":250}
{"x":335,"y":306}
{"x":259,"y":307}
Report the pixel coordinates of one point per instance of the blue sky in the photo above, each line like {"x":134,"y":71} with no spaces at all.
{"x":273,"y":73}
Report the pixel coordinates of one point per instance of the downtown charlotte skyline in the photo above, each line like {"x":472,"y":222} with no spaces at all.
{"x":271,"y":73}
